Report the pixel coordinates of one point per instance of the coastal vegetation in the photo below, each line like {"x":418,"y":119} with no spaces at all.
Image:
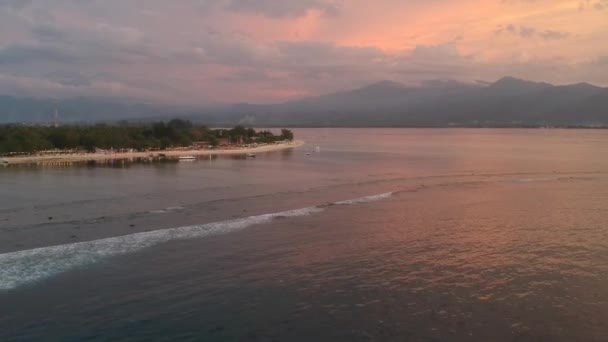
{"x":141,"y":137}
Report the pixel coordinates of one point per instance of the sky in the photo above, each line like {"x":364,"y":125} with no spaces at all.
{"x":224,"y":51}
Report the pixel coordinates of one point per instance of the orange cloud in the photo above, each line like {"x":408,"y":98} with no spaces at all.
{"x":230,"y":50}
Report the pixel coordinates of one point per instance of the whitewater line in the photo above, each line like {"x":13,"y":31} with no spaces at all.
{"x":27,"y":266}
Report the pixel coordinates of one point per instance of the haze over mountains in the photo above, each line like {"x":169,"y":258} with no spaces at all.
{"x":508,"y":102}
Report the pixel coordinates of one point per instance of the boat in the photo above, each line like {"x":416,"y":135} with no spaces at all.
{"x":187,"y":158}
{"x":318,"y":149}
{"x":251,"y":155}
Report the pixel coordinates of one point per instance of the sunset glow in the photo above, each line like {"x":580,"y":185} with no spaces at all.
{"x":219,"y":51}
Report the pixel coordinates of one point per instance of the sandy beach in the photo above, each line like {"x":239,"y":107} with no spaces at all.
{"x":76,"y":157}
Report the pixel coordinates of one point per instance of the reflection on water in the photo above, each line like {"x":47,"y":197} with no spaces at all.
{"x":450,"y":261}
{"x":127,"y":162}
{"x":488,"y":235}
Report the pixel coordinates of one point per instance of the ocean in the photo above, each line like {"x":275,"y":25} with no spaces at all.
{"x":376,"y":235}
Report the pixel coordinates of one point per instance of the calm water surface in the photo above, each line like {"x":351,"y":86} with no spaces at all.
{"x":385,"y":234}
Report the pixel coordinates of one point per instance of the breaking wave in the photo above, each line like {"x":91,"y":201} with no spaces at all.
{"x":166,"y":210}
{"x":22,"y":267}
{"x":532,"y":180}
{"x":367,"y":199}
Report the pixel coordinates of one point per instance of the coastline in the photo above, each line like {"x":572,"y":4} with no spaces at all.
{"x":81,"y":157}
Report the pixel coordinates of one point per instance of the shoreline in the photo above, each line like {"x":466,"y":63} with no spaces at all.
{"x":82,"y":157}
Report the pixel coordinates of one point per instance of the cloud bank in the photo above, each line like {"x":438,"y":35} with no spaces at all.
{"x":217,"y":51}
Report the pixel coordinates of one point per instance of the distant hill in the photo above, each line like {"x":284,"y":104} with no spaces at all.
{"x":508,"y":102}
{"x":80,"y":109}
{"x":509,"y":86}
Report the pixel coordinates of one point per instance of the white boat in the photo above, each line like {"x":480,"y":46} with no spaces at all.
{"x":187,"y":158}
{"x":251,"y":155}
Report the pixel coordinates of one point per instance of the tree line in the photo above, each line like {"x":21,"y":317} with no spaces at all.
{"x":141,"y":137}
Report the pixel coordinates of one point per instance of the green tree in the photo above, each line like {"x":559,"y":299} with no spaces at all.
{"x":286,"y":134}
{"x":16,"y":138}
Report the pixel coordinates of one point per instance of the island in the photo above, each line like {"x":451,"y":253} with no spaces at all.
{"x":21,"y":144}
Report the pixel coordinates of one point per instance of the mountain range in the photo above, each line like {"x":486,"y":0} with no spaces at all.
{"x":508,"y":102}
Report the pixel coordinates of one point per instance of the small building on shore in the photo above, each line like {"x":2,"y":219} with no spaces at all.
{"x":223,"y":141}
{"x":202,"y":145}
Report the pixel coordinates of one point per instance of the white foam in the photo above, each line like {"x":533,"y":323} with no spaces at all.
{"x":27,"y":266}
{"x":22,"y":267}
{"x":367,"y":199}
{"x":532,"y":180}
{"x":166,"y":210}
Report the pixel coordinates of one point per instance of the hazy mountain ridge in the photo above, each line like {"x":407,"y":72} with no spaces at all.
{"x":506,"y":102}
{"x":80,"y":109}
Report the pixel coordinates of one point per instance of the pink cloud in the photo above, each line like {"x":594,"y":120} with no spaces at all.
{"x":271,"y":50}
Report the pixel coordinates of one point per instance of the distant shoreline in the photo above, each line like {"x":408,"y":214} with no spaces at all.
{"x":82,"y":157}
{"x":430,"y":127}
